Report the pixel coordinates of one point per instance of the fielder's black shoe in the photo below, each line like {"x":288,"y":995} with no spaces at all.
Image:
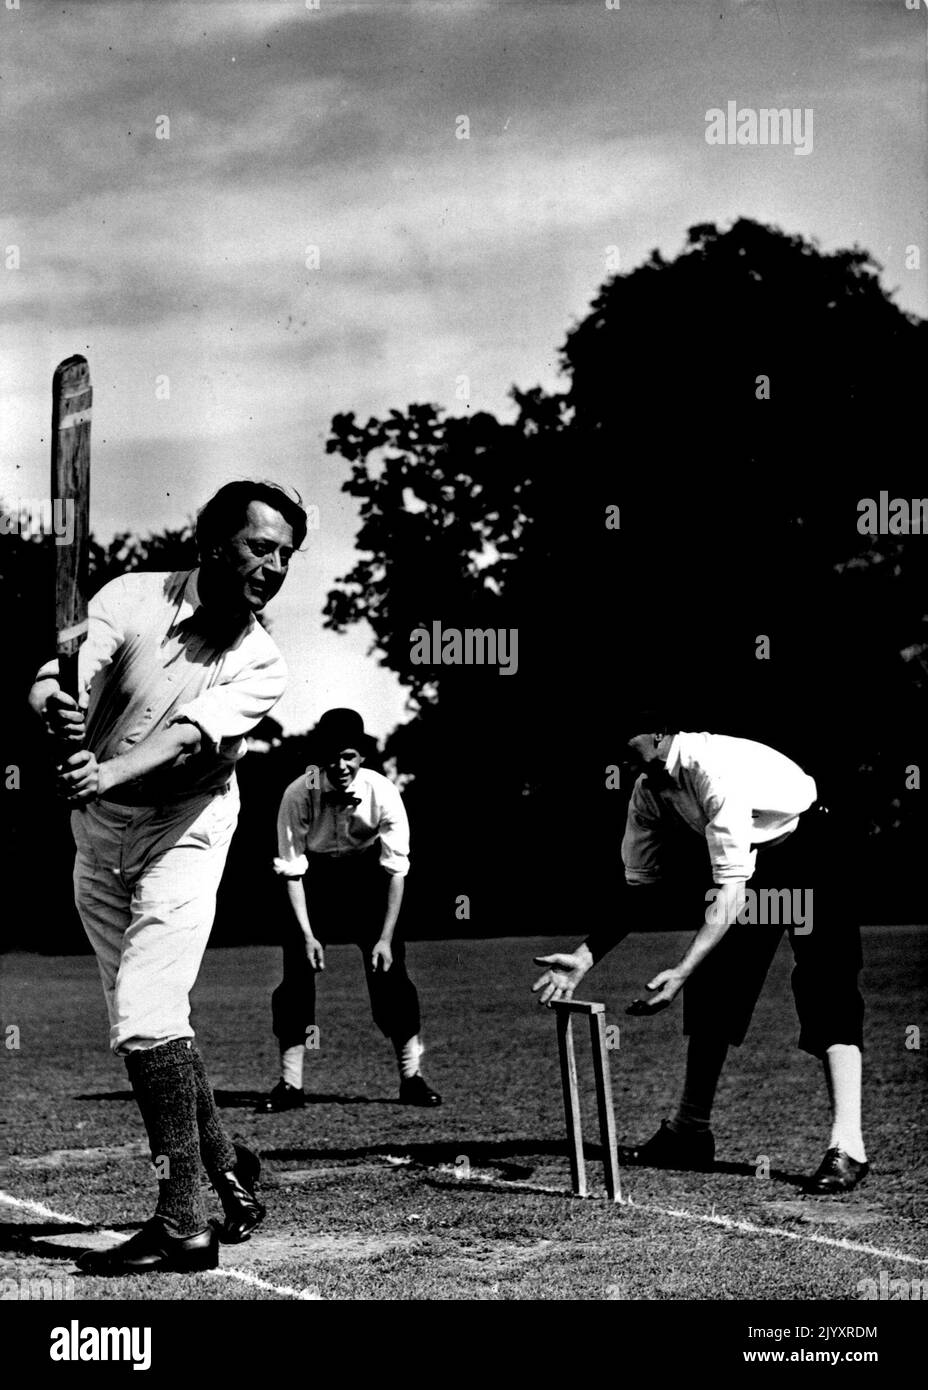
{"x":415,"y":1090}
{"x":838,"y":1172}
{"x":236,"y":1190}
{"x":152,"y":1251}
{"x":667,"y":1149}
{"x":283,"y":1097}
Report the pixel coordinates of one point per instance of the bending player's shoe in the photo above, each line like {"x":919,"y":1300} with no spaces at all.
{"x":236,"y":1190}
{"x":415,"y":1090}
{"x":283,"y":1097}
{"x":838,"y":1172}
{"x":152,"y":1251}
{"x":667,"y":1149}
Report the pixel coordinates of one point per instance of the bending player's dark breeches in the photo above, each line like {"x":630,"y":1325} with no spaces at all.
{"x":829,"y":1003}
{"x":393,"y":996}
{"x":719,"y":997}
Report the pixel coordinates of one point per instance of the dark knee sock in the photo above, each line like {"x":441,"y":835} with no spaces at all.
{"x":162,"y":1080}
{"x":704,"y":1061}
{"x":216,"y":1148}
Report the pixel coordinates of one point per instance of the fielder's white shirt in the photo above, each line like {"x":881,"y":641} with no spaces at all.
{"x":147,"y":664}
{"x":307,"y":825}
{"x":733,"y":791}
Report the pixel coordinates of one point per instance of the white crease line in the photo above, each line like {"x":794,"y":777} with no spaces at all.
{"x":726,"y":1222}
{"x":263,"y":1284}
{"x":729,"y":1223}
{"x":501,"y":1184}
{"x":39,"y":1210}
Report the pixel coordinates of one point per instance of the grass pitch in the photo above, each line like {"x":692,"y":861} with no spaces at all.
{"x":371,"y":1200}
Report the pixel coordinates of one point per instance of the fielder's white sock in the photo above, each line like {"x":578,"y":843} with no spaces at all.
{"x":408,"y":1056}
{"x":843,"y":1069}
{"x":291,"y":1065}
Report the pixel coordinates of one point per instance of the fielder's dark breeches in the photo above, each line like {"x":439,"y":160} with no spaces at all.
{"x":720,"y":995}
{"x":346,"y":900}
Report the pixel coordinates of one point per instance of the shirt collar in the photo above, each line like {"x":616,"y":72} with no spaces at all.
{"x":672,"y":765}
{"x":190,"y":604}
{"x":189,"y":599}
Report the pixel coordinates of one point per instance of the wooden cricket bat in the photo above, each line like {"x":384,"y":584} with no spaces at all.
{"x":70,"y":492}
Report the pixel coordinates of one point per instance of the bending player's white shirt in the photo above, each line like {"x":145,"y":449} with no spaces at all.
{"x":307,"y":825}
{"x":733,"y":791}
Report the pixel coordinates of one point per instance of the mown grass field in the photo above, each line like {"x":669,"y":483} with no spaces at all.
{"x":371,"y":1200}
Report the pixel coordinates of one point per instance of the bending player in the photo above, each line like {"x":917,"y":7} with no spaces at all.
{"x":344,"y":828}
{"x":754,"y":810}
{"x":176,"y":670}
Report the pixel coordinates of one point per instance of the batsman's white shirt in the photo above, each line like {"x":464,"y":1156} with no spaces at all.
{"x":733,"y":791}
{"x":147,"y":663}
{"x":150,"y":855}
{"x":306,"y":825}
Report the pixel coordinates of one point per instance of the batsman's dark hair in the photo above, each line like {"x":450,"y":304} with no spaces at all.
{"x":226,"y":511}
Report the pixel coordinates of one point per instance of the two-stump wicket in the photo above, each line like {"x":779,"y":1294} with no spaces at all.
{"x":565,"y":1010}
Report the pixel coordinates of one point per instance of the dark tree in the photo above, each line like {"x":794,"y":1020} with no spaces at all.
{"x":734,"y":404}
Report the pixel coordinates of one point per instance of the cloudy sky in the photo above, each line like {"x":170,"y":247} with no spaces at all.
{"x":439,"y":257}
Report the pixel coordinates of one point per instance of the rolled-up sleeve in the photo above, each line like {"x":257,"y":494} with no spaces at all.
{"x":641,"y":843}
{"x":728,"y":837}
{"x":394,"y":834}
{"x":231,"y":709}
{"x":292,"y":831}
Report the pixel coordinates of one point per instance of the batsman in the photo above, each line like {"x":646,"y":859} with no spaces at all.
{"x":174,"y":673}
{"x":721,"y":817}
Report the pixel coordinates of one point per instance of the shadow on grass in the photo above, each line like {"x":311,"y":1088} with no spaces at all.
{"x":248,"y":1100}
{"x":498,"y":1154}
{"x":27,"y":1238}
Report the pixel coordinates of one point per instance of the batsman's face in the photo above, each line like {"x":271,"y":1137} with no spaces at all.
{"x":254,"y":562}
{"x":342,"y":767}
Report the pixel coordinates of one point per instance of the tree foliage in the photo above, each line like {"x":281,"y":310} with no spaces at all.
{"x":734,"y":404}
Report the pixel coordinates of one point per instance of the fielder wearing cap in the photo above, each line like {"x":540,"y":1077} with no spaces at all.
{"x":343,"y":842}
{"x":175,"y":672}
{"x":754,"y":812}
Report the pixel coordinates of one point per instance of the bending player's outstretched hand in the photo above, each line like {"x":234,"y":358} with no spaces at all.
{"x":382,"y":956}
{"x":315,"y":953}
{"x":668,"y":985}
{"x":561,"y":979}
